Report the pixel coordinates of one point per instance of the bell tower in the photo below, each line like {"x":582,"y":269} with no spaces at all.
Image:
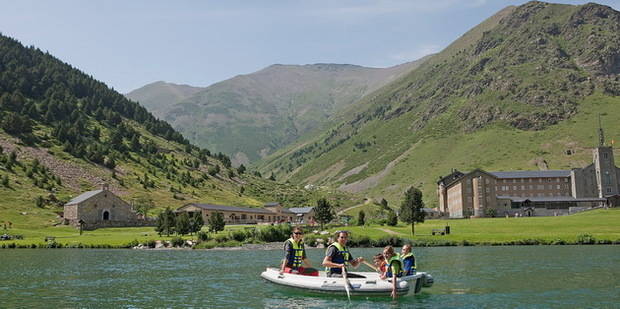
{"x":606,"y":177}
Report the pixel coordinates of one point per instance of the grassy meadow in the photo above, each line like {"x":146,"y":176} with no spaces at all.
{"x":601,"y":224}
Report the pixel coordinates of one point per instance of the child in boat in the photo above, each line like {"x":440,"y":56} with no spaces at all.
{"x":394,"y":267}
{"x":408,"y":259}
{"x":379,"y":262}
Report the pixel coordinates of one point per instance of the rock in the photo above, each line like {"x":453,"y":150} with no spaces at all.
{"x":23,"y":213}
{"x":320,"y":246}
{"x":324,"y":233}
{"x":159,"y":245}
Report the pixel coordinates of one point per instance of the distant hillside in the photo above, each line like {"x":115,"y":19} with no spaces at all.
{"x":158,"y":96}
{"x":250,"y":116}
{"x":522,"y":90}
{"x":63,"y":132}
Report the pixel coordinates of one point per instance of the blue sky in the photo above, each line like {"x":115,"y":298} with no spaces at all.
{"x":128,"y":44}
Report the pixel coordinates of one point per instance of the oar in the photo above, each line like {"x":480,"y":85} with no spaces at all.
{"x":370,"y":265}
{"x":347,"y":284}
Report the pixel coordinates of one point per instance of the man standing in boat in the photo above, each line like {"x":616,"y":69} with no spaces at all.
{"x":338,"y":256}
{"x":295,"y":254}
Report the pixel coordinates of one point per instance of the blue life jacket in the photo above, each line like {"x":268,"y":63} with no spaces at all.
{"x":409,"y":266}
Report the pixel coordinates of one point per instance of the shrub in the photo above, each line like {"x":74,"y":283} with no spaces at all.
{"x":387,"y":241}
{"x":586,"y":239}
{"x":177,"y":242}
{"x":206,"y":245}
{"x":272,"y":233}
{"x":360,"y":241}
{"x":203,"y":236}
{"x":151,"y":243}
{"x":220,"y":238}
{"x":239,"y":235}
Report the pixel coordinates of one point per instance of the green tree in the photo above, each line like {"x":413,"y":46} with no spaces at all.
{"x":411,"y":208}
{"x":384,"y":204}
{"x":5,"y":181}
{"x":241,"y":169}
{"x":195,"y":222}
{"x":143,"y":205}
{"x":39,"y":201}
{"x":272,"y":177}
{"x":216,"y":222}
{"x":392,"y":218}
{"x":323,"y":212}
{"x":166,"y":222}
{"x":361,"y":218}
{"x":182,"y":223}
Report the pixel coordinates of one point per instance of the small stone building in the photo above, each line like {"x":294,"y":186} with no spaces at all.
{"x":101,"y":208}
{"x":304,"y":215}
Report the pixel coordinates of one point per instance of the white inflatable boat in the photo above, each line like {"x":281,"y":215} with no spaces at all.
{"x":370,"y":284}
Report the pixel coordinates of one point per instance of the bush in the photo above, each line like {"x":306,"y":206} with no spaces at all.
{"x":151,"y":243}
{"x":360,"y":241}
{"x":387,"y":241}
{"x":203,"y":236}
{"x":586,"y":239}
{"x":206,"y":245}
{"x":177,"y":242}
{"x":239,"y":235}
{"x":220,"y":238}
{"x":273,"y":233}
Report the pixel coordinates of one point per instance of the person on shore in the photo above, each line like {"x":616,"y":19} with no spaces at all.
{"x":394,"y":268}
{"x":295,"y":255}
{"x":338,"y":256}
{"x":408,"y":259}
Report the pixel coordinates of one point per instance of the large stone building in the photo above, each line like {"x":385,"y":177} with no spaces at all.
{"x":304,"y":215}
{"x":271,"y":213}
{"x":531,"y":193}
{"x":101,"y":208}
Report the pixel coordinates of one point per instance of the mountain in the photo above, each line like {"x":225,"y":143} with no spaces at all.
{"x":62,"y":133}
{"x":157,"y":96}
{"x":250,"y":116}
{"x":522,"y":90}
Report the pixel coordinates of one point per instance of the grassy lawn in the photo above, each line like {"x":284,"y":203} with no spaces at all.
{"x":602,"y":224}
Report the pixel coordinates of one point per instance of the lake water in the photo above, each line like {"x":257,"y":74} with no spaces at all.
{"x":465,"y":277}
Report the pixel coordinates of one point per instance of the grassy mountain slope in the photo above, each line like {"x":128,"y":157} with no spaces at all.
{"x":63,"y":133}
{"x":249,"y":116}
{"x":515,"y":92}
{"x":157,"y":96}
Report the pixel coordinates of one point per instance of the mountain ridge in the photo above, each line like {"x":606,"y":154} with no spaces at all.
{"x":250,"y":115}
{"x":527,"y":69}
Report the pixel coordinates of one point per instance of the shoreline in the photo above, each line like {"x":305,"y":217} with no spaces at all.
{"x":279,"y":245}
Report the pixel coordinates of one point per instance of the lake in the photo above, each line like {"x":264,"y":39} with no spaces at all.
{"x":465,"y":277}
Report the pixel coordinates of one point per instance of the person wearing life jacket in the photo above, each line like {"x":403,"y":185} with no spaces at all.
{"x":409,"y":267}
{"x":338,"y":256}
{"x":295,"y":255}
{"x":394,"y":268}
{"x":379,"y":263}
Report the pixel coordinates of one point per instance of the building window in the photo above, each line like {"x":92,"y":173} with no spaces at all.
{"x":531,"y":187}
{"x":106,"y":215}
{"x":608,"y":190}
{"x":522,"y":187}
{"x":606,"y":155}
{"x":486,"y":180}
{"x":514,"y":188}
{"x":540,"y":187}
{"x":548,"y":179}
{"x":558,"y":187}
{"x":565,"y":179}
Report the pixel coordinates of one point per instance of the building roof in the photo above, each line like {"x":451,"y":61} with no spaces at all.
{"x":531,"y":174}
{"x":301,"y":210}
{"x":84,"y":196}
{"x":521,"y":199}
{"x":451,"y":178}
{"x":229,"y":208}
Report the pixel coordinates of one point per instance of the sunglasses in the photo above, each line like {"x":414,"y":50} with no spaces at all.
{"x":298,"y":233}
